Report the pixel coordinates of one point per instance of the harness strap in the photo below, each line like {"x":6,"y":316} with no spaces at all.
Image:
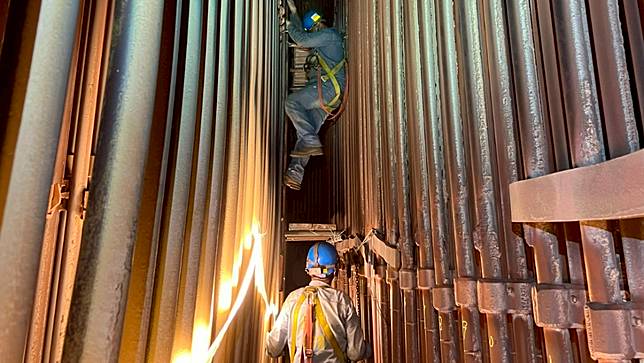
{"x":308,"y":328}
{"x":310,"y":293}
{"x":330,"y":75}
{"x":296,"y":315}
{"x":326,"y":330}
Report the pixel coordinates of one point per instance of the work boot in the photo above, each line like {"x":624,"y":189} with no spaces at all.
{"x":307,"y":148}
{"x":293,"y":179}
{"x":305,"y":151}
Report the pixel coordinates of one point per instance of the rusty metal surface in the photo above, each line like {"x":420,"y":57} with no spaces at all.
{"x":614,"y":83}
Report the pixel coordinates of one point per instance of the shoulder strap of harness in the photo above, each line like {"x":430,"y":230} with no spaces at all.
{"x":330,"y":75}
{"x":310,"y":295}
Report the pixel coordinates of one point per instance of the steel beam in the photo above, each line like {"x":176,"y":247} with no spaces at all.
{"x":28,"y":190}
{"x":98,"y":306}
{"x":587,"y":193}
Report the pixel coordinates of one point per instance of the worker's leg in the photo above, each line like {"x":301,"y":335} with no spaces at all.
{"x":295,"y":171}
{"x":303,"y":108}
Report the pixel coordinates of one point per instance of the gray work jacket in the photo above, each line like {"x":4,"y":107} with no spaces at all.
{"x":342,"y":319}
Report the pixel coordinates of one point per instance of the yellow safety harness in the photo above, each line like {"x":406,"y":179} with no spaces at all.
{"x":330,"y":76}
{"x":310,"y":296}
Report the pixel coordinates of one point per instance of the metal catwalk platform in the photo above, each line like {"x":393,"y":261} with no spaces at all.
{"x":484,"y":187}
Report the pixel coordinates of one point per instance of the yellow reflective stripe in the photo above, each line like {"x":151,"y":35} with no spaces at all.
{"x":331,"y":75}
{"x":326,"y":330}
{"x":296,"y":315}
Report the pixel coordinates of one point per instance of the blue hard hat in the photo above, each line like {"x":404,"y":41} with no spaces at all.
{"x":311,"y":18}
{"x":321,"y":260}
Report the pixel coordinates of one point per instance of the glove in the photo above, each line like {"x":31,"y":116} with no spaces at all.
{"x":291,"y":6}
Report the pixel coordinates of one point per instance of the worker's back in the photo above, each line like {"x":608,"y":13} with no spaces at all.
{"x":338,"y":315}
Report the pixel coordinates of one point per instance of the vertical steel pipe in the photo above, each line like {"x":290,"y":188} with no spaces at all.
{"x":458,"y":177}
{"x":500,"y":85}
{"x":580,"y":95}
{"x":549,"y":76}
{"x":174,"y":233}
{"x":538,"y":161}
{"x":482,"y":152}
{"x":99,"y":301}
{"x":204,"y":298}
{"x":586,"y":132}
{"x":616,"y":98}
{"x":420,"y":91}
{"x":406,"y":246}
{"x":192,"y":264}
{"x":636,"y":45}
{"x":389,"y":177}
{"x":22,"y":227}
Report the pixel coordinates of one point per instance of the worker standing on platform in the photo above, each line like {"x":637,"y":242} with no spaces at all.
{"x":318,"y":322}
{"x":309,"y":107}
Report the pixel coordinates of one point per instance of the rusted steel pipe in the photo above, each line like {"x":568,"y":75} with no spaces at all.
{"x":417,"y":86}
{"x":636,"y":45}
{"x":584,"y":125}
{"x":500,"y":85}
{"x":389,"y":176}
{"x":406,"y":246}
{"x":549,"y":80}
{"x":433,"y":174}
{"x":537,"y":161}
{"x":482,"y":153}
{"x":28,"y":187}
{"x":617,"y":101}
{"x":457,"y":170}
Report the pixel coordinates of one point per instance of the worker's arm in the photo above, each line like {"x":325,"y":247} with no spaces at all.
{"x":310,"y":40}
{"x":357,"y":347}
{"x":278,"y":337}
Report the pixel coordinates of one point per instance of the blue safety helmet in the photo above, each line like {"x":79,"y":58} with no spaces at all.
{"x":311,"y":18}
{"x":321,"y":260}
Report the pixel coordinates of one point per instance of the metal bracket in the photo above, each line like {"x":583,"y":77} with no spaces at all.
{"x":389,"y":254}
{"x":407,"y":279}
{"x":347,"y":245}
{"x":615,"y":331}
{"x":500,"y":297}
{"x":392,"y":274}
{"x":426,"y":280}
{"x":465,"y":292}
{"x":559,"y":306}
{"x":58,"y":193}
{"x":443,"y":299}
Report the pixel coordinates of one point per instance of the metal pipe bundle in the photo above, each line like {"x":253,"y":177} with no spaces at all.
{"x":143,"y":216}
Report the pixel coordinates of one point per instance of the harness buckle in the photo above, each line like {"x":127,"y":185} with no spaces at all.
{"x":308,"y":352}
